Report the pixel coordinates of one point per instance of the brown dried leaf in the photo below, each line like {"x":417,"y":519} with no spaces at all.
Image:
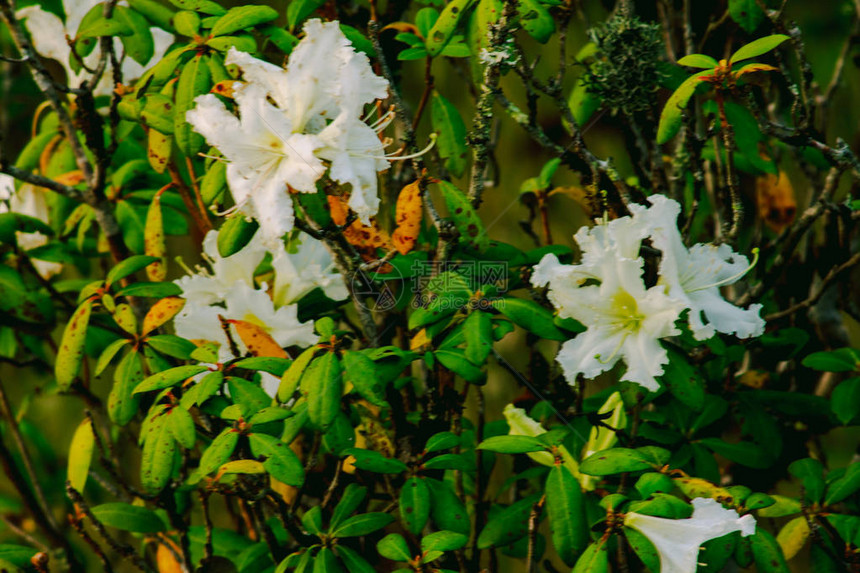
{"x":408,"y":214}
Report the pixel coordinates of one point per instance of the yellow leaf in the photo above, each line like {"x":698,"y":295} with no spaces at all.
{"x":408,"y":215}
{"x":792,"y":537}
{"x":420,"y":339}
{"x":257,"y":340}
{"x":81,"y":454}
{"x":165,"y":559}
{"x":240,"y":467}
{"x":154,"y":242}
{"x":697,"y":487}
{"x":777,"y":205}
{"x":161,"y":312}
{"x":754,"y":378}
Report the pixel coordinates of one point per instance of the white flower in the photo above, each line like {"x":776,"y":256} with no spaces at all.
{"x":311,"y":266}
{"x":204,"y":288}
{"x":623,"y":319}
{"x":316,"y":118}
{"x":521,"y":424}
{"x":677,"y":541}
{"x":28,"y":200}
{"x":264,"y":154}
{"x":243,"y":302}
{"x":694,"y":276}
{"x":49,"y":33}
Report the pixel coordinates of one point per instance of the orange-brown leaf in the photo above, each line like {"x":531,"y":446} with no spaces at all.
{"x":777,"y":205}
{"x":71,"y":178}
{"x":161,"y":312}
{"x":258,"y":341}
{"x":224,"y":88}
{"x":366,"y":238}
{"x":408,"y":215}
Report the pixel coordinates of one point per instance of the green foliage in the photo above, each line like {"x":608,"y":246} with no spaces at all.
{"x":315,"y":396}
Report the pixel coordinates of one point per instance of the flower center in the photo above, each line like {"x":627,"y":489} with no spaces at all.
{"x":625,"y":312}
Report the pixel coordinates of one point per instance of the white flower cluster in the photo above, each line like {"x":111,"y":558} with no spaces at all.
{"x":49,"y":34}
{"x":295,"y":123}
{"x":624,"y":319}
{"x":230,"y":291}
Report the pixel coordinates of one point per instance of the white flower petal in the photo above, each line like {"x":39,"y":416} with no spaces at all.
{"x":677,"y":541}
{"x":311,"y":266}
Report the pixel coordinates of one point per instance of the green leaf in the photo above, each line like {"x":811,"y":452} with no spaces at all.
{"x":350,"y":499}
{"x":169,"y":377}
{"x":218,"y":452}
{"x":290,"y":378}
{"x":70,"y":354}
{"x":845,"y":486}
{"x":536,"y":20}
{"x":442,"y":441}
{"x":361,"y":371}
{"x":456,"y":361}
{"x":181,"y":426}
{"x":447,"y":509}
{"x":845,"y":400}
{"x":451,"y":141}
{"x":698,"y":61}
{"x":531,"y":316}
{"x":242,"y":17}
{"x":250,"y":396}
{"x":566,"y":509}
{"x":242,"y":42}
{"x":81,"y":454}
{"x":373,"y":461}
{"x":299,"y":10}
{"x":128,"y":267}
{"x":465,"y":217}
{"x":187,"y":23}
{"x":512,"y":444}
{"x":670,"y":118}
{"x":508,"y":525}
{"x":414,"y":504}
{"x":156,"y":463}
{"x":744,"y":453}
{"x":122,"y":403}
{"x":595,"y":559}
{"x":325,"y":562}
{"x":444,"y":541}
{"x":353,"y":561}
{"x":478,"y":330}
{"x":758,"y":47}
{"x":746,"y":13}
{"x":194,"y":80}
{"x":684,"y":381}
{"x":150,"y":290}
{"x":841,"y":360}
{"x":205,"y":6}
{"x":281,"y":461}
{"x":105,"y":27}
{"x":449,"y":462}
{"x":139,"y":46}
{"x":446,"y":24}
{"x":810,"y":472}
{"x":767,"y":553}
{"x":643,"y":547}
{"x":615,"y":461}
{"x":128,"y":517}
{"x":394,"y":547}
{"x":362,"y":524}
{"x":234,"y":234}
{"x":322,"y":386}
{"x":783,"y":506}
{"x":582,"y":102}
